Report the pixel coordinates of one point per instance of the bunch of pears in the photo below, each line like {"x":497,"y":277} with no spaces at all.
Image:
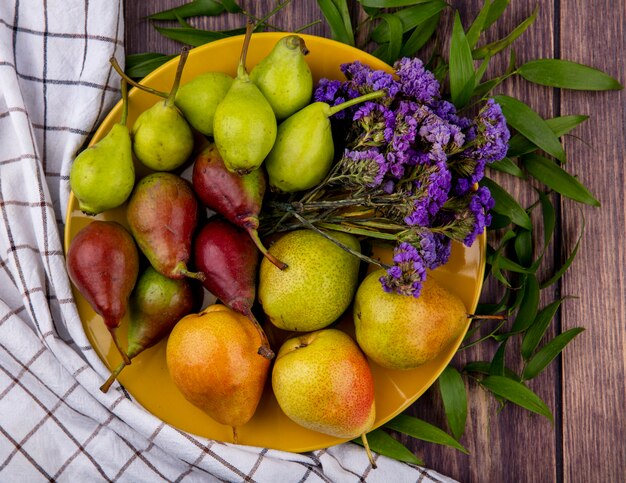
{"x":257,"y":130}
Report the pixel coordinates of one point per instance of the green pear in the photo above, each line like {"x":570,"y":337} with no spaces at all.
{"x":162,"y":138}
{"x":284,"y":77}
{"x":102,"y":176}
{"x":403,"y":332}
{"x":198,"y":99}
{"x":316,"y":287}
{"x":244,"y":126}
{"x":322,"y":381}
{"x":303,"y":152}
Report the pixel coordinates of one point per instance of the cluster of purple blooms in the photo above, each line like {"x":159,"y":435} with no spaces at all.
{"x":414,"y":150}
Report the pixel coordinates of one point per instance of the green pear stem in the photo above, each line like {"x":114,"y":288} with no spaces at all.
{"x":265,"y":349}
{"x":182,"y":269}
{"x":357,"y":100}
{"x":254,"y":235}
{"x":368,"y":451}
{"x":118,"y":345}
{"x":123,"y":75}
{"x":105,"y":387}
{"x":124,"y":86}
{"x":242,"y":74}
{"x":184,"y":53}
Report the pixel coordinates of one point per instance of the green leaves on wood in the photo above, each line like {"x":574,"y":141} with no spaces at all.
{"x":390,"y":3}
{"x":419,"y":429}
{"x":338,"y":17}
{"x":530,"y":124}
{"x":140,"y":65}
{"x":519,"y":145}
{"x":506,"y":204}
{"x":196,"y":37}
{"x":493,"y":48}
{"x":517,"y":393}
{"x":567,"y":75}
{"x":538,"y":328}
{"x":553,"y":176}
{"x":452,"y":389}
{"x":382,"y":443}
{"x":547,"y":354}
{"x":461,"y":65}
{"x":194,"y":8}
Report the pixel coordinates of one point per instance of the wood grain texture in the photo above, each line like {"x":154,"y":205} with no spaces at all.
{"x":586,"y":389}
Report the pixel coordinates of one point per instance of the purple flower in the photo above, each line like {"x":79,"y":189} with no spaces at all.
{"x":446,"y":110}
{"x":479,"y":206}
{"x":432,"y":188}
{"x":416,"y":81}
{"x":361,"y":168}
{"x":376,"y":121}
{"x":365,"y":79}
{"x":407,"y":274}
{"x":434,"y":248}
{"x":492,"y":138}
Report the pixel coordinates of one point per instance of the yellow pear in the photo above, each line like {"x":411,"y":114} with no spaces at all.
{"x":404,"y":332}
{"x":323,"y":382}
{"x":212,"y":359}
{"x":316,"y":287}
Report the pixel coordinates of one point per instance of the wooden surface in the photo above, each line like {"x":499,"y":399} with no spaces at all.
{"x":585,"y":388}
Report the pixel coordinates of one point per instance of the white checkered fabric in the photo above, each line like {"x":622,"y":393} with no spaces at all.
{"x":56,"y":85}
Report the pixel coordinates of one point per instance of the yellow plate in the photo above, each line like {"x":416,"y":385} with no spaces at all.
{"x":147,"y":379}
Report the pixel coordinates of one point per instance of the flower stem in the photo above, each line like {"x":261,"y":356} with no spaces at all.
{"x":359,"y":255}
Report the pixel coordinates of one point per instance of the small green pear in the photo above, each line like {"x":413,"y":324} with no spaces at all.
{"x":303,"y":152}
{"x":284,"y":77}
{"x":244,"y":126}
{"x":316,"y":287}
{"x":198,"y":99}
{"x":404,"y":332}
{"x":162,"y":138}
{"x":102,"y":176}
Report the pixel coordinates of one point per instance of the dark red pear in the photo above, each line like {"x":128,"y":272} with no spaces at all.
{"x":229,"y":260}
{"x":156,"y":304}
{"x":163,"y":215}
{"x":103,"y":264}
{"x":237,"y":198}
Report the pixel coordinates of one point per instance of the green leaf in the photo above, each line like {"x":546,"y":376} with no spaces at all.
{"x":559,"y":273}
{"x":231,"y":6}
{"x":549,"y":218}
{"x":528,"y":123}
{"x":390,"y":3}
{"x":194,"y":8}
{"x":140,"y":65}
{"x":499,"y":221}
{"x":395,"y":37}
{"x":497,"y":363}
{"x":461,"y":65}
{"x":537,"y":330}
{"x":383,"y":444}
{"x":517,"y":393}
{"x":196,"y":37}
{"x":416,"y":428}
{"x":508,"y":264}
{"x":495,"y":12}
{"x":344,"y":11}
{"x":420,"y":35}
{"x":336,"y":22}
{"x":507,"y":165}
{"x":452,"y":389}
{"x":524,"y":248}
{"x":567,"y":75}
{"x":482,"y":367}
{"x":410,"y":17}
{"x":547,"y":354}
{"x":519,"y":145}
{"x":528,"y":308}
{"x":499,"y":45}
{"x":478,"y":25}
{"x":555,"y":177}
{"x":506,"y":205}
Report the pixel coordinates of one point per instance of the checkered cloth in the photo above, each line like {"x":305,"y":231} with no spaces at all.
{"x":56,"y":85}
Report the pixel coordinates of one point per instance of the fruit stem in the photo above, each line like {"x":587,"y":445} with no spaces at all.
{"x":242,"y":74}
{"x":368,"y":451}
{"x":357,"y":100}
{"x":124,"y":86}
{"x":235,"y":435}
{"x":117,"y":344}
{"x":179,"y":72}
{"x":487,"y":317}
{"x":265,"y":349}
{"x":182,"y":269}
{"x":254,"y":234}
{"x":105,"y":387}
{"x":123,"y":75}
